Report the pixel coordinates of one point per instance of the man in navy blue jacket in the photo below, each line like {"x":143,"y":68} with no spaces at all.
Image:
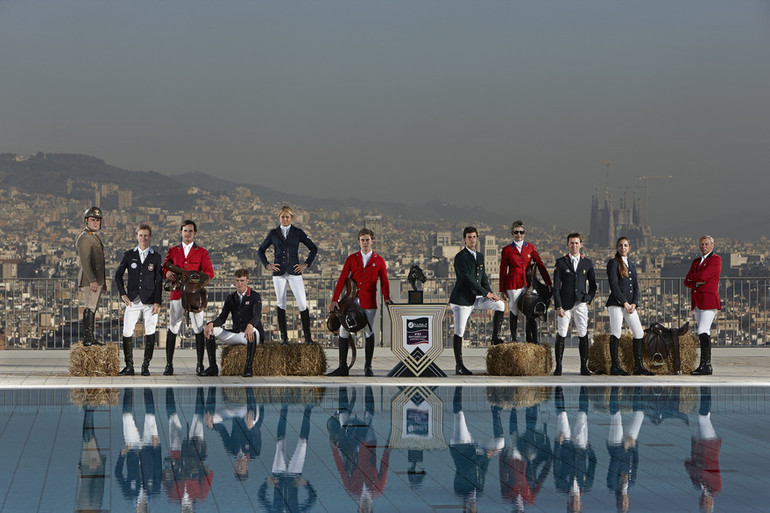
{"x":245,"y":305}
{"x":574,"y":287}
{"x":142,"y":298}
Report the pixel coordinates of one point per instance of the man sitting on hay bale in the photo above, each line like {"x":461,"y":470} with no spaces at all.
{"x":245,"y":305}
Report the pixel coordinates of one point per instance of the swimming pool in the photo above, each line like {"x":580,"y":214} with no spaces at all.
{"x":397,"y":449}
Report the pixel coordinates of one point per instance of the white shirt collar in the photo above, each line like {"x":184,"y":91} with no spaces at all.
{"x":285,"y":230}
{"x":366,"y":256}
{"x":518,"y":245}
{"x":471,"y":252}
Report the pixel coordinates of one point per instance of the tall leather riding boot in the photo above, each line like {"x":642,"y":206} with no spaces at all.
{"x":637,"y":401}
{"x":200,"y":350}
{"x":638,"y":365}
{"x":513,"y":320}
{"x":128,"y":356}
{"x":251,"y":349}
{"x":614,"y":403}
{"x":342,"y":370}
{"x":368,"y":355}
{"x":149,"y":348}
{"x":531,"y":330}
{"x":704,"y":369}
{"x":457,"y":345}
{"x":211,"y":350}
{"x":89,"y":318}
{"x":304,"y":316}
{"x":281,"y":314}
{"x":497,"y":325}
{"x":558,"y":349}
{"x":583,"y":348}
{"x":170,"y":345}
{"x":615,"y":368}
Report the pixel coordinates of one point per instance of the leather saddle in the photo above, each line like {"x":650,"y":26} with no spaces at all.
{"x":661,"y":342}
{"x":535,"y":300}
{"x":192,"y":286}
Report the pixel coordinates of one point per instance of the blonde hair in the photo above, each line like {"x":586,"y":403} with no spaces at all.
{"x":286,"y":208}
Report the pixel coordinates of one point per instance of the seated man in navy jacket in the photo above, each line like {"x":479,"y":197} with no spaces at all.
{"x":245,"y":305}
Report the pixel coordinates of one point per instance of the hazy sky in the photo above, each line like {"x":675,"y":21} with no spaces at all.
{"x":503,"y":104}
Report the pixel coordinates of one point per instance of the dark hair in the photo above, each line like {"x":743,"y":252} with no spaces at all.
{"x":144,"y":226}
{"x":469,"y":229}
{"x":241,"y":273}
{"x":188,"y":221}
{"x":366,"y":231}
{"x":574,"y":235}
{"x":622,"y":269}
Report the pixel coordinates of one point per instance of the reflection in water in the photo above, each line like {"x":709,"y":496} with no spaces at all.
{"x":703,"y":465}
{"x":186,"y":478}
{"x":354,"y":448}
{"x":91,"y":467}
{"x":286,"y":478}
{"x":141,"y":453}
{"x":574,"y":458}
{"x":268,"y":449}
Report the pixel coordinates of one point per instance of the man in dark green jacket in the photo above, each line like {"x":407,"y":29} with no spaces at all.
{"x":472,"y":292}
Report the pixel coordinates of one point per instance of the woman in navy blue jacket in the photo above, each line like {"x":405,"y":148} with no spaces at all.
{"x":287,"y":269}
{"x":622,"y":303}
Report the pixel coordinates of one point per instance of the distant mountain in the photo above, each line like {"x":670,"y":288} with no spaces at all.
{"x":50,"y":172}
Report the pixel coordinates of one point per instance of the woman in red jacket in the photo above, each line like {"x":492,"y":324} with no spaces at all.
{"x":513,"y":278}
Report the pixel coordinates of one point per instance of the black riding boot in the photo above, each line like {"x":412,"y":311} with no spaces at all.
{"x":211,"y":350}
{"x":558,"y":349}
{"x":89,"y":318}
{"x":638,"y":365}
{"x":304,"y":315}
{"x":342,"y":370}
{"x":514,"y":322}
{"x":200,"y":350}
{"x":558,"y":399}
{"x":704,"y":369}
{"x":497,"y":325}
{"x":170,"y":345}
{"x":531,"y":330}
{"x":583,"y":348}
{"x":281,"y":314}
{"x":128,"y":355}
{"x":251,"y":349}
{"x":457,"y":345}
{"x":615,"y":368}
{"x":149,"y":348}
{"x":368,"y":355}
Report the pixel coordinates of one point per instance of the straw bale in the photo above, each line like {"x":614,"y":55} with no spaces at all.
{"x":94,"y":360}
{"x":273,"y":359}
{"x":519,"y":359}
{"x":94,"y":396}
{"x":600,"y":398}
{"x":599,"y":355}
{"x":517,"y":397}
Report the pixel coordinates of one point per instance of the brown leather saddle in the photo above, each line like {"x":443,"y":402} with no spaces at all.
{"x":192,"y":286}
{"x":662,"y":342}
{"x":348,"y":314}
{"x":535,"y":300}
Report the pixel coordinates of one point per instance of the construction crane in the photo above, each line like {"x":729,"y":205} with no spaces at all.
{"x":647,"y":193}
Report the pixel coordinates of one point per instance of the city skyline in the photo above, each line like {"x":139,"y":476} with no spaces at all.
{"x":412,"y":102}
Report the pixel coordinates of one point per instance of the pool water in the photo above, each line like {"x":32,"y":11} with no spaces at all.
{"x":390,"y":449}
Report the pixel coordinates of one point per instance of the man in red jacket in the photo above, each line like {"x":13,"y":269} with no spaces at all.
{"x":189,"y":256}
{"x":365,"y":267}
{"x":703,"y":279}
{"x":513,"y":278}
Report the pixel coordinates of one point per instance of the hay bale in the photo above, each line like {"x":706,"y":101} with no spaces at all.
{"x":519,"y":359}
{"x":517,"y":397}
{"x":273,"y":359}
{"x":94,"y":360}
{"x":599,"y":355}
{"x":94,"y":396}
